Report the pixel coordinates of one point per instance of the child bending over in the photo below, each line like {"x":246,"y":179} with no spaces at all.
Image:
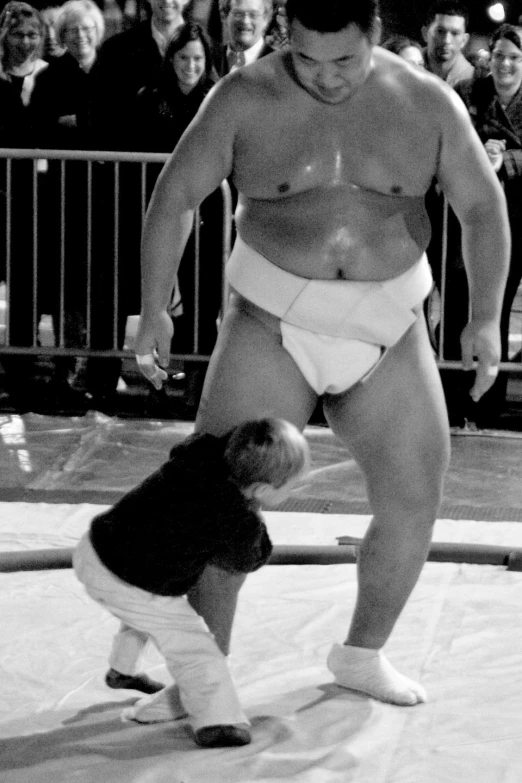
{"x":141,"y":557}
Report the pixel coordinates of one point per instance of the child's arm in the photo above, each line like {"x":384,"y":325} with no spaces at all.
{"x":247,"y":550}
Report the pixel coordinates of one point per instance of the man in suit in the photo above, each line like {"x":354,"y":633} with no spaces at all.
{"x":126,"y":62}
{"x":446,"y":37}
{"x":245,"y":23}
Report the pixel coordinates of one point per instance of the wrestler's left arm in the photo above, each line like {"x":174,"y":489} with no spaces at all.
{"x":475,"y":194}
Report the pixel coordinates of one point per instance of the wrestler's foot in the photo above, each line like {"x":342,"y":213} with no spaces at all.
{"x":157,"y":707}
{"x":369,"y":671}
{"x":223,"y":736}
{"x":135,"y":682}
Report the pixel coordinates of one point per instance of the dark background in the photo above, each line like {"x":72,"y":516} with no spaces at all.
{"x":407,"y":16}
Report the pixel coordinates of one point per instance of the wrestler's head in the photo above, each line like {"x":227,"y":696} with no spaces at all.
{"x":332,"y":16}
{"x":331,"y":45}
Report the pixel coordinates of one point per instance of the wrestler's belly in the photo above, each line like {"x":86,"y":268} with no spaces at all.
{"x":349,"y":235}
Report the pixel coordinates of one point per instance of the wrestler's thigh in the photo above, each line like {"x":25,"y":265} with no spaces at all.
{"x":250,"y":375}
{"x":395,"y":423}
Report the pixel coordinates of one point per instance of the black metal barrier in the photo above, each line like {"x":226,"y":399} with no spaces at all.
{"x":69,"y":256}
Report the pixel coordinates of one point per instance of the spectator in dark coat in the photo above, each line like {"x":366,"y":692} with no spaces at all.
{"x":164,"y":108}
{"x":22,"y":34}
{"x":495,"y":105}
{"x":84,"y":316}
{"x":127,"y":62}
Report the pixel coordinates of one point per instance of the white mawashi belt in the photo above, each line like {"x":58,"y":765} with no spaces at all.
{"x":372,"y":311}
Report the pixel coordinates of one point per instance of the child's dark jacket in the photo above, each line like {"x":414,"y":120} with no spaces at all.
{"x":162,"y":534}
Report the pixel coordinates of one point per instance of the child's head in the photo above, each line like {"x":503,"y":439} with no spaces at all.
{"x":266,"y":458}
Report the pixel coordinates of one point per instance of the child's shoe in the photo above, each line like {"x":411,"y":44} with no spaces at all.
{"x":223,"y":736}
{"x":135,"y":682}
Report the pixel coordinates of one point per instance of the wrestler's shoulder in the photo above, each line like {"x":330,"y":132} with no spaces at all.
{"x":415,"y":86}
{"x":261,"y":78}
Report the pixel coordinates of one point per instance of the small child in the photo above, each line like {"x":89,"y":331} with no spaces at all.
{"x":141,"y":557}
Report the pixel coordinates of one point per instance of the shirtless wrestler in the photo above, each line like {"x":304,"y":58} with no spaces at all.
{"x":332,"y":146}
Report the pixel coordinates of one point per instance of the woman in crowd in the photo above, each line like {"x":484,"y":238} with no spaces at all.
{"x":494,"y":102}
{"x":64,"y":100}
{"x":65,"y":93}
{"x":164,"y":108}
{"x":405,"y":47}
{"x":22,"y":33}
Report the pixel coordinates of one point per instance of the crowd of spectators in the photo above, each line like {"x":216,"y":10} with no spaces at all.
{"x":65,"y":83}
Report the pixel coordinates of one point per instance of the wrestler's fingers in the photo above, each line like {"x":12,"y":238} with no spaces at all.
{"x":151,"y":371}
{"x":485,"y":377}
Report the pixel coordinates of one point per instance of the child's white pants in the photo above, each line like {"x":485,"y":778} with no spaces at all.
{"x":191,"y":654}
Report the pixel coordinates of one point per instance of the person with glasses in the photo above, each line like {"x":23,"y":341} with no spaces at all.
{"x":494,"y":102}
{"x":245,"y":23}
{"x":22,"y":33}
{"x":64,"y":100}
{"x":65,"y":95}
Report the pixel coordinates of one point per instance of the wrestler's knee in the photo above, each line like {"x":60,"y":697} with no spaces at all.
{"x":412,"y":488}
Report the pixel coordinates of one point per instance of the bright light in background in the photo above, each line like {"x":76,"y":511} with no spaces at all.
{"x":497,"y":12}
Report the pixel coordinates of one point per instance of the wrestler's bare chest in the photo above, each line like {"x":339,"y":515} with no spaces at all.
{"x":334,"y":191}
{"x":295,"y":144}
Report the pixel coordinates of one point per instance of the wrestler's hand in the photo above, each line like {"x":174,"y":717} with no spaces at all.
{"x":152,"y":347}
{"x":480,"y":340}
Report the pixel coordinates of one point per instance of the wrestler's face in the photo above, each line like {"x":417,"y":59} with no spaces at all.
{"x":445,"y":37}
{"x":332,"y":66}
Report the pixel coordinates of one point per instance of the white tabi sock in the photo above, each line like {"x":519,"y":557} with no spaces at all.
{"x":369,"y":671}
{"x":157,"y":708}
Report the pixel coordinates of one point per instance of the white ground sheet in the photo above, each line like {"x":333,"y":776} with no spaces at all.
{"x":461,"y":634}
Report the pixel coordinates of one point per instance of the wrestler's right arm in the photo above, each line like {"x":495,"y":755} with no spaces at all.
{"x":201,"y":161}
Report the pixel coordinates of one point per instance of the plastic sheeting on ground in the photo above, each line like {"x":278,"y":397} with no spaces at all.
{"x":461,"y":634}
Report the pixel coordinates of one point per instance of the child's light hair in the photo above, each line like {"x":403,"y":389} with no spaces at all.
{"x":268,"y":451}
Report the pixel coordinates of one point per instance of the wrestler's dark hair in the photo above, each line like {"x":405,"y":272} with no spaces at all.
{"x":508,"y":32}
{"x":266,"y":451}
{"x":331,"y":16}
{"x":447,"y":8}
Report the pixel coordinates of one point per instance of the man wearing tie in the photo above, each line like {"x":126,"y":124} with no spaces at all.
{"x":245,"y":23}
